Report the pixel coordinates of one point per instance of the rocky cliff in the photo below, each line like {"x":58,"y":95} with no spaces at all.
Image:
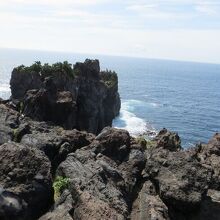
{"x":50,"y":173}
{"x":79,"y":96}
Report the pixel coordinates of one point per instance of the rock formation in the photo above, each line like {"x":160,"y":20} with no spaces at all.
{"x":50,"y":173}
{"x":81,"y":97}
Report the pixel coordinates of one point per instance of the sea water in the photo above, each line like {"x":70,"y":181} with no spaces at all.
{"x":181,"y":96}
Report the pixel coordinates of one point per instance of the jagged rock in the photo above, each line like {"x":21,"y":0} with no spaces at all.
{"x":101,"y":185}
{"x":168,"y":140}
{"x":181,"y":180}
{"x":209,"y":155}
{"x":148,"y":205}
{"x":210,"y":207}
{"x":73,"y":98}
{"x":62,"y":208}
{"x":26,"y":184}
{"x":95,"y":185}
{"x":43,"y":105}
{"x":56,"y":142}
{"x":22,"y":81}
{"x":8,"y":123}
{"x":11,"y":206}
{"x":131,"y":169}
{"x":112,"y":142}
{"x":88,"y":69}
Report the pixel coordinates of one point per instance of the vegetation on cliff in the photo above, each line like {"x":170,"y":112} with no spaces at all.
{"x":109,"y":77}
{"x":47,"y":69}
{"x":66,"y":94}
{"x":59,"y":185}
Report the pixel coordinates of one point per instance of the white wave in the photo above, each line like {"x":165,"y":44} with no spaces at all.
{"x":4,"y":87}
{"x":154,"y":104}
{"x":129,"y":121}
{"x":5,"y":91}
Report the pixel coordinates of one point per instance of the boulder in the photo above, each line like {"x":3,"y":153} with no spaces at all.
{"x":112,"y":142}
{"x":209,"y":155}
{"x":168,"y":140}
{"x":181,"y":180}
{"x":25,"y":180}
{"x":8,"y":124}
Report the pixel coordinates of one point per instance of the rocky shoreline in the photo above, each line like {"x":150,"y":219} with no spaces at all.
{"x":74,"y":167}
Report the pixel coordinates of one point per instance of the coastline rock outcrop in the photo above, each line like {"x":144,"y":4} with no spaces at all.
{"x":25,"y":182}
{"x":109,"y":176}
{"x":78,"y":97}
{"x":50,"y":173}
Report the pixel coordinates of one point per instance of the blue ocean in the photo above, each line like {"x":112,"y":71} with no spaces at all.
{"x":181,"y":96}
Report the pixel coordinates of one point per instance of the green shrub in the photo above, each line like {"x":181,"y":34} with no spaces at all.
{"x":109,"y":77}
{"x":15,"y":135}
{"x":145,"y":142}
{"x":142,"y":141}
{"x":47,"y":69}
{"x":21,"y":107}
{"x":59,"y":185}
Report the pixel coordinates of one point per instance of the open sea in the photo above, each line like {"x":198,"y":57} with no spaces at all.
{"x":181,"y":96}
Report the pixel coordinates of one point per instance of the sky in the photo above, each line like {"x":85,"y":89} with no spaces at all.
{"x":167,"y":29}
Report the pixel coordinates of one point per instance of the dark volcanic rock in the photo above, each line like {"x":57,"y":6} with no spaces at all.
{"x":8,"y":123}
{"x":180,"y":178}
{"x":168,"y":140}
{"x":25,"y":180}
{"x":62,"y":208}
{"x":44,"y":106}
{"x":55,"y":142}
{"x":101,"y":184}
{"x":148,"y":205}
{"x":209,"y":155}
{"x":112,"y":142}
{"x":186,"y":181}
{"x":82,"y":97}
{"x":21,"y":82}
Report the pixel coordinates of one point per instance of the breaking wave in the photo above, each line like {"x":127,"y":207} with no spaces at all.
{"x":128,"y":120}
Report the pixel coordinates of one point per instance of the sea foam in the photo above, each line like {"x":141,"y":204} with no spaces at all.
{"x":4,"y":90}
{"x":130,"y":121}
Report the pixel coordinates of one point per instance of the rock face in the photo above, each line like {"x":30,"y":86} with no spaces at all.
{"x":101,"y":184}
{"x":81,"y":97}
{"x":109,"y":176}
{"x":25,"y":180}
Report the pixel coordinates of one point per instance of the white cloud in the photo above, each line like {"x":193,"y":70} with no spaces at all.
{"x":208,"y":8}
{"x":152,"y":11}
{"x":52,"y":2}
{"x":69,"y":25}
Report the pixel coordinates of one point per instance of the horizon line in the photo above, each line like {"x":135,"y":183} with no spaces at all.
{"x":111,"y":55}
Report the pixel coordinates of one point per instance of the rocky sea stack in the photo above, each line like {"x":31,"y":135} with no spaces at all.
{"x":79,"y":96}
{"x":57,"y":161}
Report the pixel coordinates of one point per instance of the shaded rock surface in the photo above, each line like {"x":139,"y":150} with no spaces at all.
{"x":25,"y":182}
{"x":81,"y":97}
{"x":110,"y":176}
{"x":149,"y":205}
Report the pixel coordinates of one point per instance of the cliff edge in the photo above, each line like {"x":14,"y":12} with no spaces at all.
{"x":79,"y":96}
